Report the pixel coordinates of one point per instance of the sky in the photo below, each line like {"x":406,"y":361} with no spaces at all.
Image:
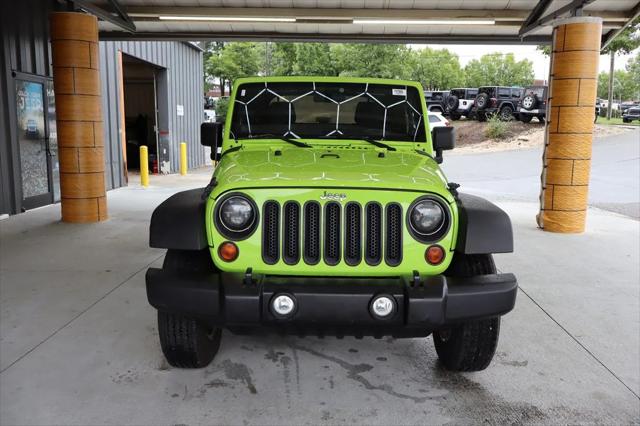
{"x":540,"y":63}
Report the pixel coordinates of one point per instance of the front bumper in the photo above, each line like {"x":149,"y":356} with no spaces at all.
{"x":331,"y":305}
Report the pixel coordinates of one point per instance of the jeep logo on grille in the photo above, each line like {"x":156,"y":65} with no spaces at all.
{"x":334,"y":196}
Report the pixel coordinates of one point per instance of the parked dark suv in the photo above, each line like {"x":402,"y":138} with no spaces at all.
{"x":436,"y":101}
{"x":533,"y":103}
{"x":460,"y":102}
{"x":633,"y":113}
{"x":499,"y":100}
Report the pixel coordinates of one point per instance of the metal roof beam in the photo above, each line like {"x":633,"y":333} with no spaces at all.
{"x":535,"y":14}
{"x":318,"y":37}
{"x":575,"y":5}
{"x":634,"y":14}
{"x":122,"y":20}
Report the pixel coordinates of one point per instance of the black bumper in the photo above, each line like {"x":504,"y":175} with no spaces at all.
{"x":331,"y":306}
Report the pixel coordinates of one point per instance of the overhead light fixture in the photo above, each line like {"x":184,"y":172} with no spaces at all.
{"x":422,"y":22}
{"x":224,"y":19}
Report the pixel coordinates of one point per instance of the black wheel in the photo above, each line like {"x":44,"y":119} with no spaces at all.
{"x":482,"y":116}
{"x":541,"y":118}
{"x":452,"y":103}
{"x":454,"y":116}
{"x":187,"y":342}
{"x":526,"y":118}
{"x":506,"y":113}
{"x":529,"y":102}
{"x":482,"y":100}
{"x":624,"y":120}
{"x":469,"y":346}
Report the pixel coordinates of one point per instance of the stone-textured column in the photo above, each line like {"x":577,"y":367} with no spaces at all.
{"x":76,"y":79}
{"x":571,"y":112}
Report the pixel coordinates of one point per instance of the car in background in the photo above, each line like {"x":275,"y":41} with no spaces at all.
{"x":632,"y":114}
{"x":497,"y":100}
{"x":460,"y":101}
{"x":209,"y":115}
{"x":437,"y":120}
{"x":436,"y":101}
{"x":533,"y":103}
{"x":624,"y":107}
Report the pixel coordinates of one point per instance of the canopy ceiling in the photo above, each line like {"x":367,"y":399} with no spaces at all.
{"x":402,"y":21}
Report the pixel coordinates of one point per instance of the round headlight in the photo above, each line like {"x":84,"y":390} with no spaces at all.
{"x":427,"y":217}
{"x":237,"y":214}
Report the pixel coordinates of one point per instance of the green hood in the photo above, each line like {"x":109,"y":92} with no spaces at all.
{"x":348,"y":166}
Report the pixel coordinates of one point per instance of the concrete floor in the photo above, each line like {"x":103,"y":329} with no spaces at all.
{"x":78,"y":341}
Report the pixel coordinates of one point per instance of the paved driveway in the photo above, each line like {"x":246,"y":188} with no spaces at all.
{"x":515,"y":175}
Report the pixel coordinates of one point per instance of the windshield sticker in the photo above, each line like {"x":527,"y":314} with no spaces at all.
{"x":371,"y":113}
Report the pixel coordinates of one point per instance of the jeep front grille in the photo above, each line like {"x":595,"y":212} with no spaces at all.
{"x":333,"y":233}
{"x":270,"y":233}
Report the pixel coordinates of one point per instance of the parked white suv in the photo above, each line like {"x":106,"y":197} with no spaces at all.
{"x":460,"y":102}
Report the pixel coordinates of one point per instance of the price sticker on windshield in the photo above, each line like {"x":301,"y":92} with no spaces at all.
{"x":399,"y":92}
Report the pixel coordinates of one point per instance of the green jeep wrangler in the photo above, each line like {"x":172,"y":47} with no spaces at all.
{"x":327,"y":214}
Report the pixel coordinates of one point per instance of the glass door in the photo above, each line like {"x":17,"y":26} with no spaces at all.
{"x":33,"y":140}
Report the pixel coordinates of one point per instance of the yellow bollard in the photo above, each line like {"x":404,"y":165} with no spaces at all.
{"x":183,"y":158}
{"x":144,"y":166}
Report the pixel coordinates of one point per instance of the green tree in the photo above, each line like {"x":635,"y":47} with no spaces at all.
{"x":371,"y":60}
{"x":499,"y":69}
{"x":633,"y":68}
{"x":283,"y":58}
{"x":211,"y":48}
{"x":435,"y":69}
{"x":235,"y":60}
{"x":624,"y":43}
{"x":314,"y":59}
{"x":624,"y":85}
{"x":545,"y":49}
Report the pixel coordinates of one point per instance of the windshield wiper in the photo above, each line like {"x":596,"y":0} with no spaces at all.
{"x":368,"y":139}
{"x":379,"y":144}
{"x":294,"y":142}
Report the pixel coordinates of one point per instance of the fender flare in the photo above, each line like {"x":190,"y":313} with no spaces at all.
{"x":483,"y":227}
{"x":179,"y":222}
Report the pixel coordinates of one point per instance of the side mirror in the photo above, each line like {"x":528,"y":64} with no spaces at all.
{"x":443,"y":138}
{"x":211,"y":135}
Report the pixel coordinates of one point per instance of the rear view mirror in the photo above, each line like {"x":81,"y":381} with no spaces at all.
{"x":443,"y":138}
{"x":211,"y":135}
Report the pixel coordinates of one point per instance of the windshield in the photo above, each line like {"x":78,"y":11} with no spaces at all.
{"x":328,"y":110}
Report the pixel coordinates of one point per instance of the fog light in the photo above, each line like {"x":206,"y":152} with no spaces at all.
{"x":228,"y":251}
{"x":434,"y":255}
{"x":382,"y":306}
{"x":283,"y":305}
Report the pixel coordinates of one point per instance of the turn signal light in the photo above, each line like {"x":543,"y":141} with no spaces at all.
{"x":228,"y":251}
{"x":434,"y":255}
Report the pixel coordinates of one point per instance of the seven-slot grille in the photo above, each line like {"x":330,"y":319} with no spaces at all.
{"x":333,"y":232}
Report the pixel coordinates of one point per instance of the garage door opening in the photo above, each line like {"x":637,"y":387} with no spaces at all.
{"x":140,"y":111}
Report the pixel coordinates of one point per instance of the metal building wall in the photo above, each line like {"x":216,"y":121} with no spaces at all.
{"x":184,"y":86}
{"x":24,"y":47}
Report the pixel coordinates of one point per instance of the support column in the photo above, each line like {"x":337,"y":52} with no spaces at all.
{"x":570,"y":120}
{"x":76,"y":79}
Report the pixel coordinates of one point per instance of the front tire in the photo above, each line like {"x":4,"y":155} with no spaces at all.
{"x":187,"y":342}
{"x":469,"y":346}
{"x":526,"y":118}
